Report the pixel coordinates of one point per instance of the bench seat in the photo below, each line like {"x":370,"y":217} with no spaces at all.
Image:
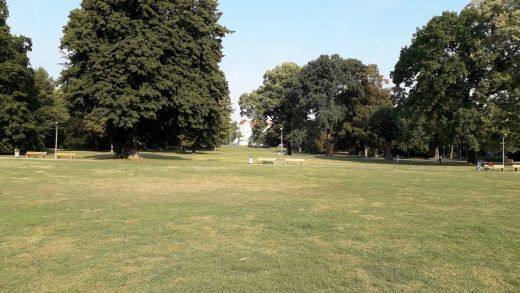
{"x":265,"y":160}
{"x":35,"y":154}
{"x":295,"y":161}
{"x":66,"y":155}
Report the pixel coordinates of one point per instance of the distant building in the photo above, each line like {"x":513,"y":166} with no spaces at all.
{"x":246,"y":131}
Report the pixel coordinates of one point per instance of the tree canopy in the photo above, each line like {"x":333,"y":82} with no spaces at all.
{"x":326,"y":101}
{"x":457,"y":83}
{"x":147,"y":72}
{"x":18,"y":102}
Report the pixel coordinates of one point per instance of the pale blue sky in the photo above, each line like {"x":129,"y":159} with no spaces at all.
{"x":267,"y":32}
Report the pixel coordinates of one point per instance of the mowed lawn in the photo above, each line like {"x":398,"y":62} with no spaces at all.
{"x":209,"y":222}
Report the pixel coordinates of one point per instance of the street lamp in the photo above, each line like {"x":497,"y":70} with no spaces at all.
{"x":281,"y":140}
{"x":504,"y":150}
{"x":56,"y":142}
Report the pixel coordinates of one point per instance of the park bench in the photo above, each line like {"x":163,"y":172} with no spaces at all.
{"x":491,"y":166}
{"x":294,"y":161}
{"x":35,"y":154}
{"x":66,"y":155}
{"x":516,"y":167}
{"x":265,"y":160}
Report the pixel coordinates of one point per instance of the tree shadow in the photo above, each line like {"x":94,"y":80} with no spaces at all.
{"x":101,"y":157}
{"x":149,"y":156}
{"x":382,"y":161}
{"x":146,"y":156}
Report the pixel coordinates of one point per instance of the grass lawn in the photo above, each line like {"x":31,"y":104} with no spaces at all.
{"x":209,"y":222}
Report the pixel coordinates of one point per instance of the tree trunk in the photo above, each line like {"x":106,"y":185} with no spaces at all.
{"x":437,"y":154}
{"x":388,"y":150}
{"x":133,"y":154}
{"x":472,"y":157}
{"x":329,"y":143}
{"x":289,"y":148}
{"x":451,"y":151}
{"x":366,"y":151}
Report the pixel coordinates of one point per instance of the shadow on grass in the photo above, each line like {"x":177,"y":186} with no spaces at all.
{"x":382,"y":161}
{"x":147,"y":156}
{"x":101,"y":157}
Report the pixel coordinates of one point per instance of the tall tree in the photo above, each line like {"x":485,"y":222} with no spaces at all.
{"x":338,"y":95}
{"x":385,"y":123}
{"x":275,"y":101}
{"x":17,"y":100}
{"x":432,"y":87}
{"x":458,"y":81}
{"x":495,"y":56}
{"x":52,"y":106}
{"x":147,"y":72}
{"x":355,"y":131}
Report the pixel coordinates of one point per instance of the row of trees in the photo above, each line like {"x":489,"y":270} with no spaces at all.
{"x":28,"y":104}
{"x":324,"y":103}
{"x":139,"y":74}
{"x":457,"y":84}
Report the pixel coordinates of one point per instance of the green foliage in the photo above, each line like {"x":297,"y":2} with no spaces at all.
{"x":458,"y":82}
{"x":146,"y":72}
{"x":340,"y":94}
{"x":275,"y":101}
{"x":52,"y":106}
{"x":385,"y":123}
{"x":18,"y":102}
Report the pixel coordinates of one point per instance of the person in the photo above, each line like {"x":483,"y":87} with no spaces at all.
{"x":397,"y":159}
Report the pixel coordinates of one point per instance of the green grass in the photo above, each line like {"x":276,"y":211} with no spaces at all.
{"x":210,"y":222}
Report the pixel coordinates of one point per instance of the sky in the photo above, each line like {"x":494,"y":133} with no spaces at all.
{"x":266,"y":32}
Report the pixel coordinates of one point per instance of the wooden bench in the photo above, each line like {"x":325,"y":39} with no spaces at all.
{"x":66,"y":155}
{"x":294,"y":161}
{"x":516,"y":167}
{"x":265,"y":160}
{"x":35,"y":154}
{"x":494,"y":167}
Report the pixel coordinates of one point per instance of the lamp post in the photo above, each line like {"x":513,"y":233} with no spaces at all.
{"x":56,"y":142}
{"x":281,"y":141}
{"x":504,"y":150}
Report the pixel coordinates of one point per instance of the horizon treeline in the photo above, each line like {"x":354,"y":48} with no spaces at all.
{"x":139,"y":74}
{"x":146,"y":75}
{"x":456,"y":93}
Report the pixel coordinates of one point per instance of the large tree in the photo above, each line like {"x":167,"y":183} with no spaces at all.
{"x":18,"y":102}
{"x":432,"y":87}
{"x":338,"y":95}
{"x":52,"y":107}
{"x":385,"y":123}
{"x":147,"y":72}
{"x":457,"y":83}
{"x":276,"y":102}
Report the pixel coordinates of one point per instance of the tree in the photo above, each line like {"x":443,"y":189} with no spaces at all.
{"x":338,"y":95}
{"x":431,"y":80}
{"x":17,"y":100}
{"x":275,"y":101}
{"x":385,"y":123}
{"x":355,"y":131}
{"x":495,"y":56}
{"x":146,"y":72}
{"x":459,"y":78}
{"x":52,"y":106}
